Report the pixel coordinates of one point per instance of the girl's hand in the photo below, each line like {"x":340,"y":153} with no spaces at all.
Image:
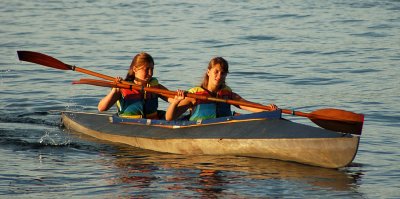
{"x":180,"y":96}
{"x":118,"y":79}
{"x":273,"y":107}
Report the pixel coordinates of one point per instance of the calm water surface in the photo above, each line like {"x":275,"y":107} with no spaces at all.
{"x":302,"y":55}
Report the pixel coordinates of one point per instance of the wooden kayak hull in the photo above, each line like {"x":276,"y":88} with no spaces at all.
{"x":263,"y":138}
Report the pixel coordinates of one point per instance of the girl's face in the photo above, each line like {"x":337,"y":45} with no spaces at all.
{"x":216,"y":75}
{"x":144,"y":73}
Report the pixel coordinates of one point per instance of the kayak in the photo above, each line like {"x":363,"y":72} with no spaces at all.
{"x":261,"y":135}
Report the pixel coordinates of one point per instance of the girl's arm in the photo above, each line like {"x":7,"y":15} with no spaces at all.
{"x":109,"y":100}
{"x":179,"y":105}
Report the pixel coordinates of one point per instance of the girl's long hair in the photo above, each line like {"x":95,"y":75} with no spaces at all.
{"x":138,"y":61}
{"x":213,"y":62}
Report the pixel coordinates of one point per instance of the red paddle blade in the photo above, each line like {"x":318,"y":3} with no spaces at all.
{"x":42,"y":59}
{"x":338,"y":120}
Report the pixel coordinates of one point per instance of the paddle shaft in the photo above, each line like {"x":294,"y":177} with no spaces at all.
{"x":129,"y":85}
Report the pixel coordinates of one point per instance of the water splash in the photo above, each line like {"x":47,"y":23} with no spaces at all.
{"x":51,"y":139}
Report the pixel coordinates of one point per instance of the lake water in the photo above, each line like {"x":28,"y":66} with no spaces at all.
{"x":302,"y":55}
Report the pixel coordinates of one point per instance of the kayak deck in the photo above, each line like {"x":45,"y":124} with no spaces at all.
{"x":264,"y":136}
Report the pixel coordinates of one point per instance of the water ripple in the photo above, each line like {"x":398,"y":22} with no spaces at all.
{"x":316,"y":81}
{"x":27,"y":120}
{"x":259,"y":38}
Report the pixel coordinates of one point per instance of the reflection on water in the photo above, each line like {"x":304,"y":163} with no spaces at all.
{"x":214,"y":176}
{"x":256,"y":168}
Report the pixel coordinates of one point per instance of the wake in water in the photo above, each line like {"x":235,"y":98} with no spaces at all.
{"x":29,"y":118}
{"x":34,"y":130}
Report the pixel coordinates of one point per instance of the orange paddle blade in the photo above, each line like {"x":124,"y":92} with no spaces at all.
{"x":338,"y":120}
{"x":46,"y":60}
{"x":42,"y":59}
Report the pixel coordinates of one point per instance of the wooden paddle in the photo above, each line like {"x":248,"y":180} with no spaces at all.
{"x":331,"y":119}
